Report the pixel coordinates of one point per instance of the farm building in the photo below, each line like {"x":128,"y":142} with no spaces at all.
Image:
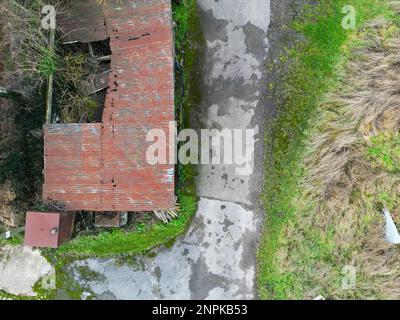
{"x":102,"y":166}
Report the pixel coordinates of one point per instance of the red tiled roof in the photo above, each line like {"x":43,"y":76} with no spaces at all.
{"x":103,"y":167}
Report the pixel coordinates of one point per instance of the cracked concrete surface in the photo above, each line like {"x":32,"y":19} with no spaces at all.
{"x":217,"y":258}
{"x":211,"y":261}
{"x":20,"y":268}
{"x":235,"y":32}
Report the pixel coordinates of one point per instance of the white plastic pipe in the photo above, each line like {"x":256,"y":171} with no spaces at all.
{"x":391,"y":232}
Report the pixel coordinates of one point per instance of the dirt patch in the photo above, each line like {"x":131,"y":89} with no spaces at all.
{"x":10,"y":137}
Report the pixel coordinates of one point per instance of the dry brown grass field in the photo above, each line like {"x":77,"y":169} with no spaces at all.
{"x":352,"y":172}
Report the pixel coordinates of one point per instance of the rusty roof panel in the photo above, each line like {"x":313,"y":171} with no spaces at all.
{"x":72,"y":162}
{"x":82,"y":22}
{"x":72,"y":139}
{"x":103,"y":167}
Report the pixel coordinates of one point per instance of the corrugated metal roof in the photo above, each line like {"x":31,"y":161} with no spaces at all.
{"x":103,"y":167}
{"x":82,"y":22}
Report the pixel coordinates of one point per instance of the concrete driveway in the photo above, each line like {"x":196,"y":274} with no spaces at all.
{"x":217,"y":258}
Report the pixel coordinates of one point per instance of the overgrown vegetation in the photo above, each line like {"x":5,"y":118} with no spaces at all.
{"x":331,"y":162}
{"x":25,"y":63}
{"x":188,"y":38}
{"x":20,"y":158}
{"x":120,"y":242}
{"x":31,"y":58}
{"x":75,"y":102}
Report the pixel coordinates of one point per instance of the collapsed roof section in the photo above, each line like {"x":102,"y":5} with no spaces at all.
{"x":103,"y":166}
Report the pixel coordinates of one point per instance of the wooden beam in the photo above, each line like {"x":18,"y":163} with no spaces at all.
{"x":50,"y":79}
{"x":104,"y":58}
